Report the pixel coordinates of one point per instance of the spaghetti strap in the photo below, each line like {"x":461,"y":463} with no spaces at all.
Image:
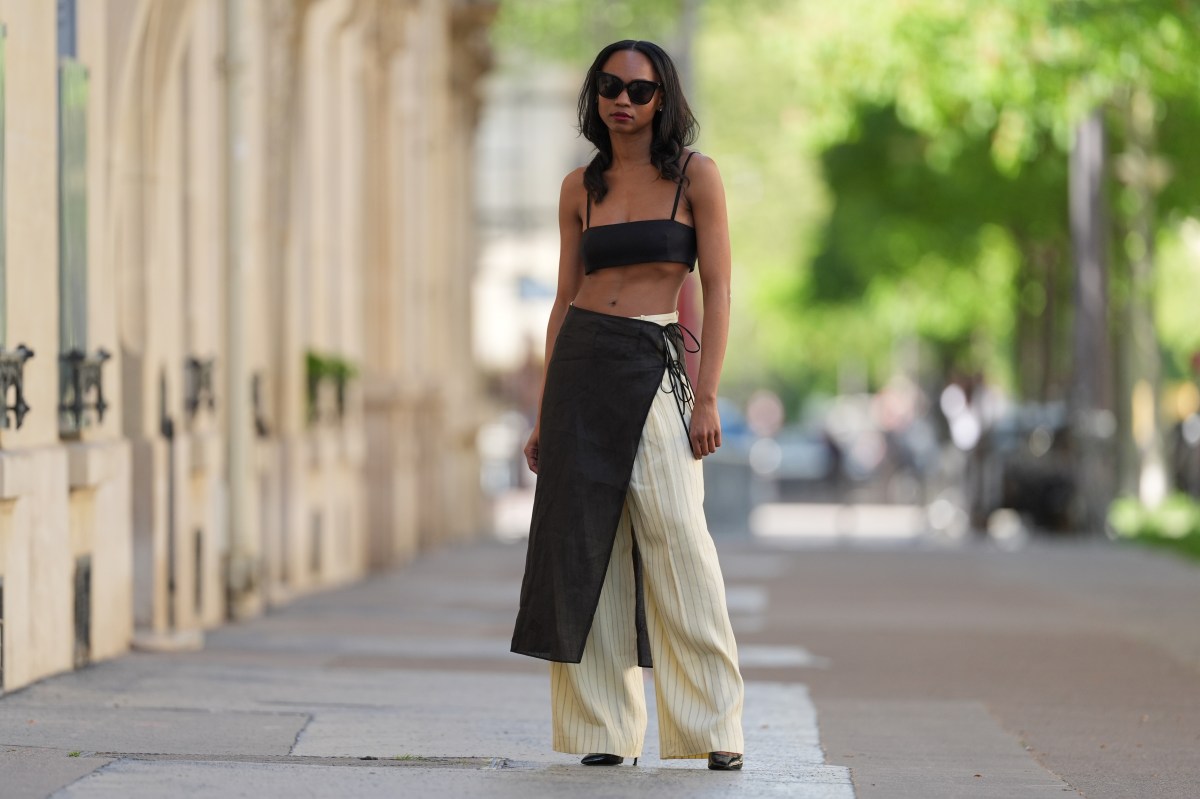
{"x":678,"y":191}
{"x":588,"y":224}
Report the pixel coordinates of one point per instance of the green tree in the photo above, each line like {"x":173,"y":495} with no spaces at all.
{"x":899,"y":169}
{"x":573,"y":31}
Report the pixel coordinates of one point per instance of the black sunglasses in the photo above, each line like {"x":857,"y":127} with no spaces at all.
{"x":640,"y":91}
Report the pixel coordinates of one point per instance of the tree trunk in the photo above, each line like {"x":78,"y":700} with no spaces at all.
{"x":1144,"y":175}
{"x":1091,"y":386}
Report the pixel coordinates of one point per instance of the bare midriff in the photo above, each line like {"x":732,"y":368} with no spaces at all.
{"x":634,"y":290}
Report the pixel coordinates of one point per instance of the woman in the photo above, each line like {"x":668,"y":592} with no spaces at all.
{"x":621,"y":571}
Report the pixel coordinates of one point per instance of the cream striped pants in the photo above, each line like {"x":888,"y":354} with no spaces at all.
{"x":599,"y":704}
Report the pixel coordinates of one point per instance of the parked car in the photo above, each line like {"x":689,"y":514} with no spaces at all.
{"x":1025,"y":462}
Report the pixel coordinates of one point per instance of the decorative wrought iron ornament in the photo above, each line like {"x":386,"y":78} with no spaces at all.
{"x":84,"y":375}
{"x":200,"y":391}
{"x":12,"y":380}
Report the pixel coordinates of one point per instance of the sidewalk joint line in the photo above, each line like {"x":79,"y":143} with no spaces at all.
{"x":296,"y":741}
{"x":313,"y":760}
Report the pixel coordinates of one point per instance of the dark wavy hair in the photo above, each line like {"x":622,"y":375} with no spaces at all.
{"x":674,"y":127}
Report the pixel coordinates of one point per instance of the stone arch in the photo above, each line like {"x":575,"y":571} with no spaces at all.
{"x":150,"y":59}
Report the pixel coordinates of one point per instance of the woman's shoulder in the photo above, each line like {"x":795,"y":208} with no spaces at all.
{"x":574,"y":177}
{"x":701,"y":171}
{"x":572,"y":197}
{"x":573,"y":182}
{"x":695,"y":161}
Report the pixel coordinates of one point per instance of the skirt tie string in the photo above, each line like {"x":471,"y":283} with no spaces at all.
{"x":673,"y":361}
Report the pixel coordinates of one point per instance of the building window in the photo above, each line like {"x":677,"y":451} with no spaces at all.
{"x":3,"y":204}
{"x":72,"y":227}
{"x":66,"y":28}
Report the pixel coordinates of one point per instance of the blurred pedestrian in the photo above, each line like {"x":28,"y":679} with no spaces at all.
{"x":621,"y":570}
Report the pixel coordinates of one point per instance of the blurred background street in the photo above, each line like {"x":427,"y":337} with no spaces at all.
{"x":274,"y":284}
{"x":966,"y":257}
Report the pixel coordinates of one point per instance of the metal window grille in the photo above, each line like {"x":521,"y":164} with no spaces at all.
{"x":315,"y":536}
{"x":83,"y":610}
{"x":198,"y":568}
{"x":1,"y":635}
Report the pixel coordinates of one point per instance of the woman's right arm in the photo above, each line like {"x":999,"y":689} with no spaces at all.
{"x":570,"y":276}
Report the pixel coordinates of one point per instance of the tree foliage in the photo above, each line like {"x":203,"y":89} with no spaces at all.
{"x":942,"y":130}
{"x":899,"y":170}
{"x":573,"y":31}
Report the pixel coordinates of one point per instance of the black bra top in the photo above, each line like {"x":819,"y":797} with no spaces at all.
{"x":643,"y":242}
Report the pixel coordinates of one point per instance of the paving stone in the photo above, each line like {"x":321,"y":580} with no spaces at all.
{"x":200,"y":780}
{"x":103,"y":729}
{"x":926,"y":666}
{"x":917,"y":750}
{"x":33,"y":772}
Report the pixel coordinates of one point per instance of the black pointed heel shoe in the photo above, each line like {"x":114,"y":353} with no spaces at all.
{"x":720,"y":761}
{"x":597,"y":759}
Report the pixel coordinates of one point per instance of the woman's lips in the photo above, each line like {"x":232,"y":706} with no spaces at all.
{"x":622,"y":117}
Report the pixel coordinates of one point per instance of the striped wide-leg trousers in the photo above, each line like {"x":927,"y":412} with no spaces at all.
{"x":599,"y":704}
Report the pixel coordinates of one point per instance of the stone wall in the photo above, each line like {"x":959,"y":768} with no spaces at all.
{"x":279,"y":240}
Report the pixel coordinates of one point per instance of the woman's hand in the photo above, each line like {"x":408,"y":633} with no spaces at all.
{"x":531,"y":450}
{"x":705,"y":429}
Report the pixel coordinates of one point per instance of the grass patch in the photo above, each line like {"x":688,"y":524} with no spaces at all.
{"x":1174,"y":525}
{"x":1188,"y":547}
{"x":76,"y":753}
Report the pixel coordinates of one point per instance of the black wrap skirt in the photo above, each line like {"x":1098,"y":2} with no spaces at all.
{"x":600,"y":384}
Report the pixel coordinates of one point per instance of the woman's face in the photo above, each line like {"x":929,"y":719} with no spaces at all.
{"x":620,"y":114}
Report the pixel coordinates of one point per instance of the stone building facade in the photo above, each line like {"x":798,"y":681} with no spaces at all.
{"x":236,"y":246}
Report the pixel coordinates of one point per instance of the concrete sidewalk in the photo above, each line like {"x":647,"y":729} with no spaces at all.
{"x":934,"y":672}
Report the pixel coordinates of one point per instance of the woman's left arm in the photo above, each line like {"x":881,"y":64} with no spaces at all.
{"x":707,"y":197}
